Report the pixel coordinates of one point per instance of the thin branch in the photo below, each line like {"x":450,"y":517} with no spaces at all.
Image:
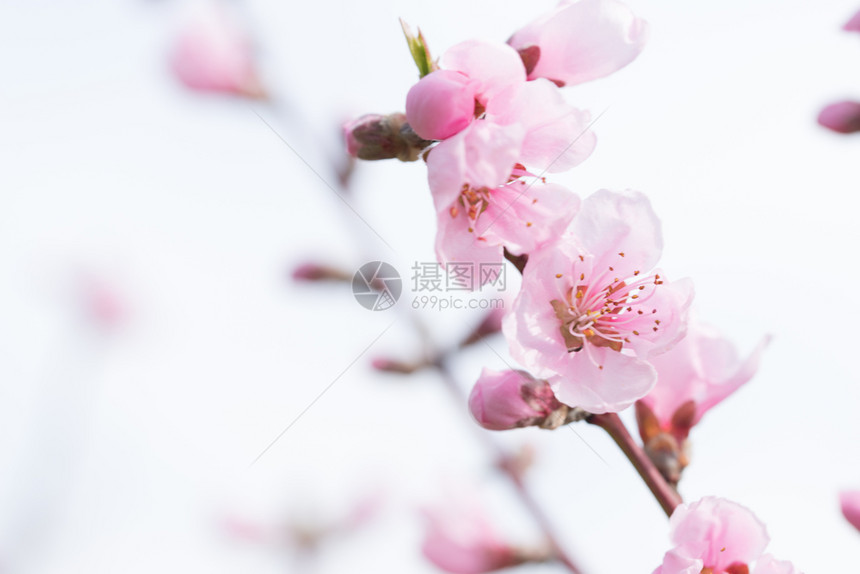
{"x":513,"y":476}
{"x":665,"y":494}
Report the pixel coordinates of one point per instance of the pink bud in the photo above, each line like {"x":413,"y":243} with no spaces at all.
{"x":850,"y":501}
{"x":441,"y":104}
{"x":392,"y":366}
{"x":841,"y":117}
{"x":318,"y":272}
{"x":853,"y":25}
{"x":503,"y":400}
{"x":373,"y":137}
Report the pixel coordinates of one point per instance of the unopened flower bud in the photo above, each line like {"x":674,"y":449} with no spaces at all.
{"x":502,"y":400}
{"x":392,"y":366}
{"x":841,"y":117}
{"x":850,"y":502}
{"x":441,"y":104}
{"x":374,"y":136}
{"x":319,"y":272}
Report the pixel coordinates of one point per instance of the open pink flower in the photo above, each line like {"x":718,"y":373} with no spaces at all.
{"x":695,"y":375}
{"x":591,"y":312}
{"x":717,"y":536}
{"x":485,"y":83}
{"x":460,"y":539}
{"x":581,"y":40}
{"x":213,"y":54}
{"x":519,"y":215}
{"x":849,"y":500}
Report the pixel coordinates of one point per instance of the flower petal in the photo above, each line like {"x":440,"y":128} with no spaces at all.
{"x":482,"y":155}
{"x":557,"y":134}
{"x":601,"y":380}
{"x":456,"y":244}
{"x":663,"y":321}
{"x":522,"y":215}
{"x":767,"y":564}
{"x":720,"y":388}
{"x":718,"y":531}
{"x":495,"y":66}
{"x":584,"y":40}
{"x":613,"y":223}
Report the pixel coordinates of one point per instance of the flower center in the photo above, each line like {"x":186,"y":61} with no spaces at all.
{"x":473,"y":201}
{"x":605,"y":310}
{"x":581,"y":324}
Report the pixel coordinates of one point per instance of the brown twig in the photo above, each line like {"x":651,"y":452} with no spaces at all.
{"x":667,"y":496}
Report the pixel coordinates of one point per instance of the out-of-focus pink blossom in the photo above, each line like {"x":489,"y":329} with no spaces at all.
{"x":853,"y":25}
{"x":718,"y":536}
{"x":502,"y":400}
{"x":214,"y":54}
{"x":591,"y":312}
{"x":460,"y":539}
{"x":581,"y":40}
{"x":703,"y":368}
{"x":441,"y":104}
{"x":841,"y":117}
{"x":849,"y":500}
{"x":103,"y":302}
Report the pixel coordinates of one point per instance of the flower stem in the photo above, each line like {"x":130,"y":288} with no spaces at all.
{"x":528,"y":501}
{"x":665,"y":494}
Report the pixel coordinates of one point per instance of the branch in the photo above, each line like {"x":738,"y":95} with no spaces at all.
{"x":665,"y":494}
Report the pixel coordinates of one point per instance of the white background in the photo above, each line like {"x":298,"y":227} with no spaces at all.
{"x":125,"y":447}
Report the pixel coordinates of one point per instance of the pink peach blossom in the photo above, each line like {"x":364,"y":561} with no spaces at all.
{"x":502,"y":400}
{"x":582,"y":40}
{"x":536,"y":125}
{"x":460,"y":539}
{"x":541,"y":128}
{"x":718,"y":536}
{"x":519,"y":215}
{"x":841,"y":117}
{"x":849,"y":500}
{"x":591,"y":312}
{"x":704,"y":368}
{"x":213,"y":54}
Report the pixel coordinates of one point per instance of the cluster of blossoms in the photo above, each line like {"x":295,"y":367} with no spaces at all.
{"x":597,"y":326}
